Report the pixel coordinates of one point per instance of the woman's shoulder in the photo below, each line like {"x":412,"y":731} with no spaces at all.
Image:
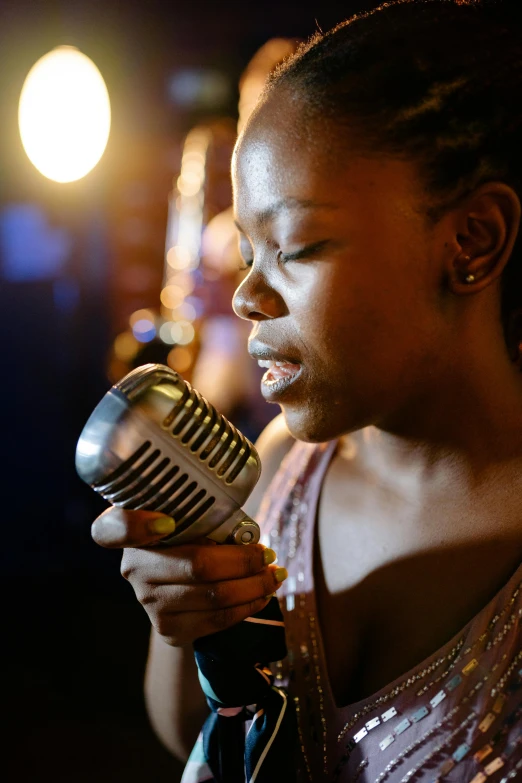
{"x":273,"y":445}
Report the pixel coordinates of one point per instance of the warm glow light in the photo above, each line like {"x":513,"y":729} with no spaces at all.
{"x":185,"y":311}
{"x":187,"y":332}
{"x":172,"y":296}
{"x":165,"y":333}
{"x":179,"y":359}
{"x":64,"y":114}
{"x":126,"y":346}
{"x":176,"y":332}
{"x":178,"y":257}
{"x":140,"y":315}
{"x":189,"y":184}
{"x":186,"y":282}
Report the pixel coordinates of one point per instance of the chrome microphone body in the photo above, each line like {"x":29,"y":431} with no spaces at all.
{"x":154,"y":443}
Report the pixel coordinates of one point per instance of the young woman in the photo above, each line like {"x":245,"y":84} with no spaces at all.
{"x":377,"y":196}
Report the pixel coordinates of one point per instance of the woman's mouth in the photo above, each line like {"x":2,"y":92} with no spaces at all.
{"x":278,"y":377}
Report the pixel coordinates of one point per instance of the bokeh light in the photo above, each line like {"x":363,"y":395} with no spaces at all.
{"x":172,"y":296}
{"x":178,"y":257}
{"x":187,"y":332}
{"x":165,"y":333}
{"x":144,"y":330}
{"x":64,"y":114}
{"x":126,"y":346}
{"x":186,"y":312}
{"x":179,"y":359}
{"x":140,"y":315}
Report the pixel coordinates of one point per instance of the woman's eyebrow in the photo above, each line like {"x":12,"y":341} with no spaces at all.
{"x":265,"y":215}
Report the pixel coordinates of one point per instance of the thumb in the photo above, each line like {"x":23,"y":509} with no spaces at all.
{"x":117,"y":528}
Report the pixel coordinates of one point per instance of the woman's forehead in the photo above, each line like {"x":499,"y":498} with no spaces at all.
{"x":274,"y":168}
{"x":273,"y":176}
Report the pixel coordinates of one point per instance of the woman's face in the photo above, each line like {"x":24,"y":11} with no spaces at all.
{"x":344,"y":278}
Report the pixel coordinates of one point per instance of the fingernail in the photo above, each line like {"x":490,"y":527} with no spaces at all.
{"x":162,"y":525}
{"x":268,"y":597}
{"x":280,"y":574}
{"x":269,"y":556}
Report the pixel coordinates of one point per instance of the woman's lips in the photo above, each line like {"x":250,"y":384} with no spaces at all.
{"x":278,"y":378}
{"x":278,"y":370}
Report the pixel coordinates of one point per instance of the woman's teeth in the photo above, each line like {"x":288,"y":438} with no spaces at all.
{"x":277,"y":372}
{"x":268,"y":363}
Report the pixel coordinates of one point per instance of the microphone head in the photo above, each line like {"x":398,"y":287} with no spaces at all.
{"x":154,"y":443}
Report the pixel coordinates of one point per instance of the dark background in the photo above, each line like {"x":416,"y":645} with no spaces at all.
{"x":74,"y":638}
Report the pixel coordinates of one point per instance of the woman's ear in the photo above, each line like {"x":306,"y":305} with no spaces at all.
{"x":488,"y":223}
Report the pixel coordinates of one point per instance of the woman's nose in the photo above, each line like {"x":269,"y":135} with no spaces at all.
{"x":255,"y":300}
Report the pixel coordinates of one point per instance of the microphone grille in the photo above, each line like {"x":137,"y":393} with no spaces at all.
{"x":200,"y":427}
{"x":150,"y":481}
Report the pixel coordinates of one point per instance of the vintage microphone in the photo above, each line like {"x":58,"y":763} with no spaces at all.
{"x":154,"y":443}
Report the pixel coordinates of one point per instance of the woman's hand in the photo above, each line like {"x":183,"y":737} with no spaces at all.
{"x":190,"y":590}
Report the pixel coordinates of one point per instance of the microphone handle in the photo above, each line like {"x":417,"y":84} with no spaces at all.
{"x":239,"y":528}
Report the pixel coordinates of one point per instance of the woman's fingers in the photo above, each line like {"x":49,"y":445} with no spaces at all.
{"x":210,"y":596}
{"x":193,"y":563}
{"x":181,"y":628}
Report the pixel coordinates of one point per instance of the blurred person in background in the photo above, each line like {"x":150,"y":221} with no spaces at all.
{"x":223,"y":371}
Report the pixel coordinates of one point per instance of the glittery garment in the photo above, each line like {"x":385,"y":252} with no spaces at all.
{"x":457,"y":716}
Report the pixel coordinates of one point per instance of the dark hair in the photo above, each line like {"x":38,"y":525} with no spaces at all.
{"x":436,"y":81}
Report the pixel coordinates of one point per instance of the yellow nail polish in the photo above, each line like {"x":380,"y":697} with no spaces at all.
{"x":163,"y":525}
{"x":280,"y":574}
{"x":268,"y":597}
{"x":269,"y":556}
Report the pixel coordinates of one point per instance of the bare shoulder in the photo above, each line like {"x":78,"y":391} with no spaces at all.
{"x":272,"y":445}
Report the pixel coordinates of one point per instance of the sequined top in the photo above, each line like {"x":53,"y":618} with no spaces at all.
{"x":456,"y":716}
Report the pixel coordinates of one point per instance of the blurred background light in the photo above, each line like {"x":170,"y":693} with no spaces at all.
{"x":165,"y":333}
{"x":172,"y":296}
{"x":141,"y":315}
{"x":200,"y":87}
{"x":144,"y":330}
{"x":186,"y":312}
{"x":126,"y":346}
{"x":186,"y":332}
{"x":64,"y":114}
{"x":178,"y":257}
{"x":179,"y":359}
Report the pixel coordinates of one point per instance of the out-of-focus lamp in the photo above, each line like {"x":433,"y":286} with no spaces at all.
{"x":64,"y":114}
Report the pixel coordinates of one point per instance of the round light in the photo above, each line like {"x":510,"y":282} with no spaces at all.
{"x":189,"y":184}
{"x":125,"y":346}
{"x":64,"y":114}
{"x":179,"y":359}
{"x":178,"y":257}
{"x":165,"y":333}
{"x":141,"y":315}
{"x":187,"y":332}
{"x":172,"y":296}
{"x":144,"y":330}
{"x":176,"y":332}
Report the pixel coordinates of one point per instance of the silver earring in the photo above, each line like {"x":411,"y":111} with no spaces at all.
{"x":469,"y":278}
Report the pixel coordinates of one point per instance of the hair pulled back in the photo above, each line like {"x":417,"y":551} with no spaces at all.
{"x":435,"y":81}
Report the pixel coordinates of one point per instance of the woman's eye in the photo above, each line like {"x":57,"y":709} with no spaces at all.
{"x":305,"y":252}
